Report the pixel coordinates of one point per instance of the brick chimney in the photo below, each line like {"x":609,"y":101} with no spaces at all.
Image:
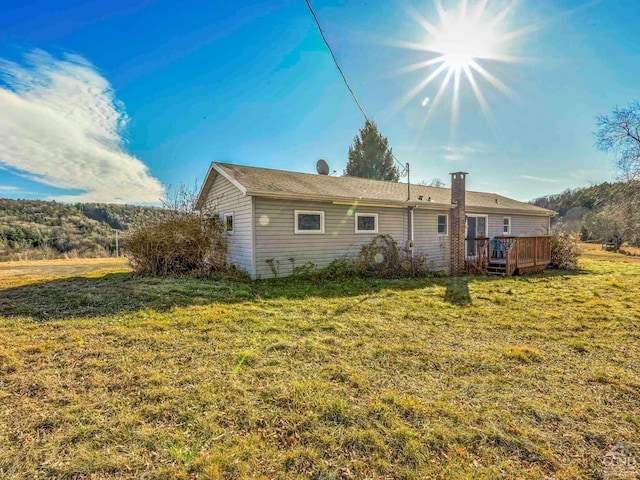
{"x":458,"y":222}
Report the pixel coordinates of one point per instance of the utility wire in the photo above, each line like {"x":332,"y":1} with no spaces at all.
{"x":344,"y":78}
{"x":335,"y":60}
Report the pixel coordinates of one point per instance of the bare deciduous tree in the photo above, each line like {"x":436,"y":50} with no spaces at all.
{"x":618,"y":220}
{"x":180,"y":199}
{"x":434,"y":182}
{"x":619,"y":133}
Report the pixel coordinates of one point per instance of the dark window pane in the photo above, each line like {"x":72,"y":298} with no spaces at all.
{"x":309,"y":221}
{"x":367,"y":223}
{"x":442,"y":224}
{"x":229,"y":223}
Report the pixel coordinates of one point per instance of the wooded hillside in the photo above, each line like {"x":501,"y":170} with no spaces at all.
{"x":40,"y":229}
{"x":608,"y":212}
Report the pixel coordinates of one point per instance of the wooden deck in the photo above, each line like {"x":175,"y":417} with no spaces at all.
{"x":508,"y":255}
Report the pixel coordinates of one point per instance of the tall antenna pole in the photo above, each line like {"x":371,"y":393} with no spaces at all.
{"x":408,"y":184}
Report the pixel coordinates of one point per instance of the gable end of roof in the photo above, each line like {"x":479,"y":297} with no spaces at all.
{"x":212,"y":174}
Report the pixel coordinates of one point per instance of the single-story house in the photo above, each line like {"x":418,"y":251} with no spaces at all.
{"x":275,"y":215}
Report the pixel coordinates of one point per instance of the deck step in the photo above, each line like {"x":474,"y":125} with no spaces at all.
{"x":497,"y":269}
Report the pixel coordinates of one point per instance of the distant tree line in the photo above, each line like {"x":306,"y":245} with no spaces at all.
{"x":36,"y":228}
{"x":609,"y":212}
{"x":604,"y":213}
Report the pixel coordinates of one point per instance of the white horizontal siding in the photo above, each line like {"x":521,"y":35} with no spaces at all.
{"x":521,"y":225}
{"x":275,"y":238}
{"x":225,"y":198}
{"x":427,"y":242}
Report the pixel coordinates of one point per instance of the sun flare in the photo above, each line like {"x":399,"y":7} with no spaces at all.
{"x":457,"y":46}
{"x":462,"y":40}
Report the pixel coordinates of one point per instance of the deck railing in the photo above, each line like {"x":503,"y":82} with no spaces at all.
{"x":478,"y":254}
{"x":523,"y":254}
{"x":526,"y":253}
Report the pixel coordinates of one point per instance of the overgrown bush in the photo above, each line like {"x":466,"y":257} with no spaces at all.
{"x":338,"y":269}
{"x":565,"y":251}
{"x":180,"y":241}
{"x":380,"y":258}
{"x":179,"y":244}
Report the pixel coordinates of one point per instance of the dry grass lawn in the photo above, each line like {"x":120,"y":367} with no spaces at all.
{"x":104,"y":375}
{"x":18,"y":273}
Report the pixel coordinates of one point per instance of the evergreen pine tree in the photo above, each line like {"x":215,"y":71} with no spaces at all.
{"x":370,"y":156}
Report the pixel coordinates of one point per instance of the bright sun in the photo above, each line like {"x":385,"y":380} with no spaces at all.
{"x":462,"y":40}
{"x":458,"y":44}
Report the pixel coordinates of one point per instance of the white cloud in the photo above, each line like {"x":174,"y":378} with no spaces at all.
{"x":539,"y":179}
{"x":8,"y":188}
{"x":61,"y":125}
{"x":454,"y":153}
{"x":593,"y":175}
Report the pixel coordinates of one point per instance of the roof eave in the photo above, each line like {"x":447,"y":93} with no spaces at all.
{"x":404,"y":204}
{"x":511,"y":211}
{"x":350,"y":201}
{"x":206,"y":186}
{"x":229,"y":177}
{"x":214,"y":171}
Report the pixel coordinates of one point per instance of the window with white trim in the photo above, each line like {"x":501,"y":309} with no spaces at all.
{"x":366,"y":222}
{"x":228,"y":222}
{"x":443,"y":225}
{"x":308,"y":221}
{"x":506,"y":225}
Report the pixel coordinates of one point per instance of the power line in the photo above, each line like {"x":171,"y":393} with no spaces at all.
{"x":344,"y":78}
{"x":405,"y":168}
{"x":335,"y":60}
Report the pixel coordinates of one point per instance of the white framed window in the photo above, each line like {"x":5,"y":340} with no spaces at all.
{"x":227,"y":218}
{"x":506,"y":225}
{"x":443,"y":225}
{"x":308,"y":221}
{"x":366,"y":222}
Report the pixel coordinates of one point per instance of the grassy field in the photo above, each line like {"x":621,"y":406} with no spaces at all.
{"x":23,"y":272}
{"x":104,"y":375}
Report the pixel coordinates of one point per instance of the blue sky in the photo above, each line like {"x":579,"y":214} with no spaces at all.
{"x":109,"y":101}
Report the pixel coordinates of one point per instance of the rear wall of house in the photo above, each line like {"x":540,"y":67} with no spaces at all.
{"x":521,"y":225}
{"x":275,"y":238}
{"x":225,"y":198}
{"x":427,"y":242}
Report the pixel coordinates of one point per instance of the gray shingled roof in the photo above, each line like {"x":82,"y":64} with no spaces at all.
{"x":285,"y":184}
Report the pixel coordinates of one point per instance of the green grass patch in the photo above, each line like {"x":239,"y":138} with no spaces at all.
{"x":114,"y":376}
